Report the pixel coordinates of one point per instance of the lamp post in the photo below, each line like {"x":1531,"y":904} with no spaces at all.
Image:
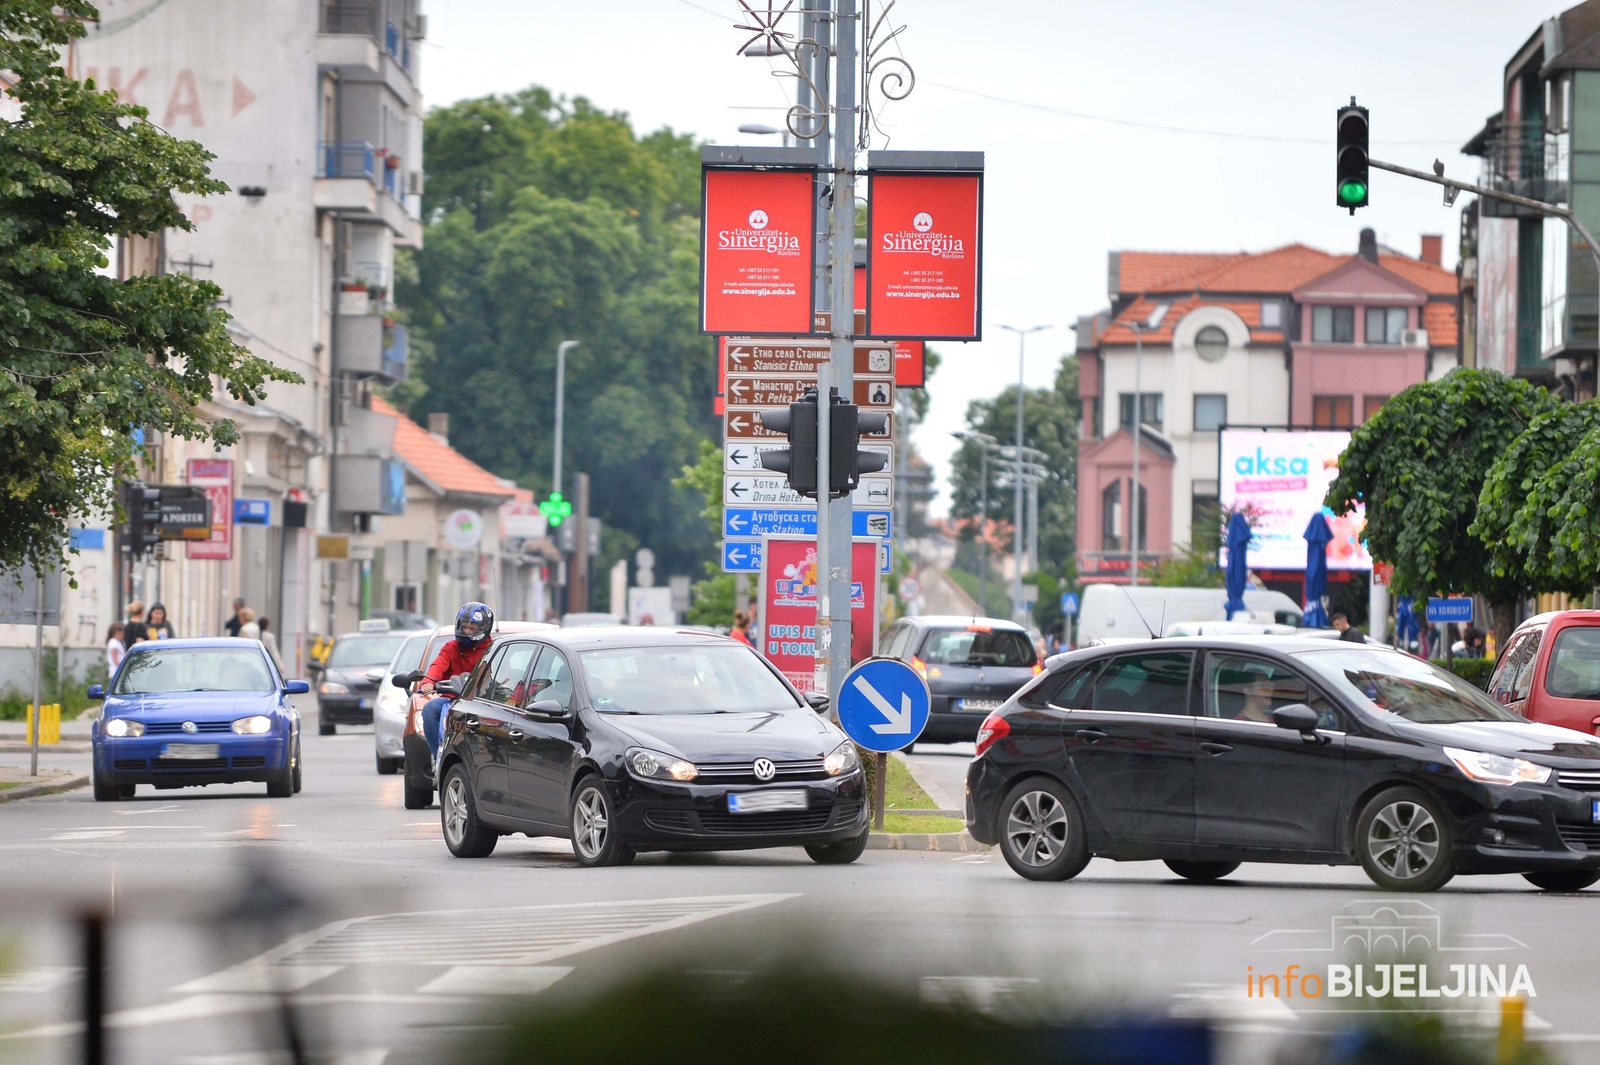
{"x":1138,"y":428}
{"x":985,"y":442}
{"x":561,"y":394}
{"x":1016,"y":538}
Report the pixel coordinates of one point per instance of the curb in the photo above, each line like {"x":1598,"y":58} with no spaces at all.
{"x":64,"y":747}
{"x":48,"y":787}
{"x":944,"y":842}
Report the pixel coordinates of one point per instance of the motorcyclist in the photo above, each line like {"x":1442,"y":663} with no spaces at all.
{"x":460,"y":655}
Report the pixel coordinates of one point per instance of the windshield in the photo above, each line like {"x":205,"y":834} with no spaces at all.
{"x":194,"y":669}
{"x":700,"y":679}
{"x":405,"y":659}
{"x":1574,"y":670}
{"x":966,"y":647}
{"x":376,"y":650}
{"x":1403,"y":687}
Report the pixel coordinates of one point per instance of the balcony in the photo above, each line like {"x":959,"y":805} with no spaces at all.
{"x":1521,"y":158}
{"x":366,"y":18}
{"x":347,"y":159}
{"x":364,"y":346}
{"x":350,"y":175}
{"x":369,"y":484}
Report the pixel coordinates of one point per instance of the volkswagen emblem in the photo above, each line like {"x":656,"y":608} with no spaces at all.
{"x":765,"y":770}
{"x":190,"y":727}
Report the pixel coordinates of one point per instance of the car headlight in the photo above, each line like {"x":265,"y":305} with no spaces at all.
{"x":122,"y":726}
{"x":1497,"y":768}
{"x":329,"y":687}
{"x":658,"y":766}
{"x":392,"y":701}
{"x":842,"y":760}
{"x":253,"y":726}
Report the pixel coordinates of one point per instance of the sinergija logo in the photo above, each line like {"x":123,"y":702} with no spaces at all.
{"x":923,"y":222}
{"x":757,"y":237}
{"x":923,"y":239}
{"x":758,"y":219}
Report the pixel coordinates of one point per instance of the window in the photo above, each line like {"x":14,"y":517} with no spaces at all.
{"x":1210,"y":412}
{"x":365,"y":650}
{"x":1272,"y":315}
{"x":1385,"y":325}
{"x":1523,"y":685}
{"x":1332,"y":412}
{"x":1145,"y":683}
{"x":1574,"y":671}
{"x":1067,"y":689}
{"x":1370,"y":406}
{"x":197,"y":669}
{"x":1386,"y":683}
{"x":1144,"y":516}
{"x":1111,"y":517}
{"x":1091,"y":418}
{"x":1151,"y":405}
{"x":968,"y":647}
{"x":505,"y":679}
{"x":1211,"y":343}
{"x":709,"y":677}
{"x":1504,"y":676}
{"x":894,"y":641}
{"x":1205,"y":520}
{"x":1240,"y":688}
{"x":552,"y":678}
{"x":1333,"y":325}
{"x":407,"y":596}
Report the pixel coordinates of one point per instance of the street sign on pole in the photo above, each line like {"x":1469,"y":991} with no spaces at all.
{"x":1069,"y":603}
{"x":767,"y":490}
{"x":798,"y":356}
{"x":883,"y":707}
{"x":749,"y":391}
{"x":742,"y":424}
{"x":753,"y":522}
{"x":1455,"y":610}
{"x":744,"y":556}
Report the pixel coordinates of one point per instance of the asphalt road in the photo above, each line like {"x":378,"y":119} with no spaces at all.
{"x":377,"y":988}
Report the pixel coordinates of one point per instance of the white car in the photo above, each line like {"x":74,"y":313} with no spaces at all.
{"x":389,"y":706}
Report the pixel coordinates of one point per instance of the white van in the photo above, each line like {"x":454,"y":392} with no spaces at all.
{"x":1118,"y":612}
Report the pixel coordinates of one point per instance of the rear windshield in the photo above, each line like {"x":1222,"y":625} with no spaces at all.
{"x":365,"y":650}
{"x":405,"y":659}
{"x":964,"y":647}
{"x":1574,"y":670}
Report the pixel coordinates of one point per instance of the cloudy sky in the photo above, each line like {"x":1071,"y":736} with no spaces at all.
{"x":1150,"y":124}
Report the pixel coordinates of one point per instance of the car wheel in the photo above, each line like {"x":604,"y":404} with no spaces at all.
{"x":464,"y":834}
{"x":108,"y":792}
{"x":839,"y":853}
{"x":324,"y":729}
{"x":594,"y":837}
{"x":388,"y":767}
{"x":283,"y":786}
{"x":1404,"y":841}
{"x":299,"y":765}
{"x":1201,"y":870}
{"x":418,"y":798}
{"x":1563,"y":879}
{"x":1041,"y":831}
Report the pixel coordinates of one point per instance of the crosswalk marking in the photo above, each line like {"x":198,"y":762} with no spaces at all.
{"x":259,"y":979}
{"x":494,"y":980}
{"x":38,"y":980}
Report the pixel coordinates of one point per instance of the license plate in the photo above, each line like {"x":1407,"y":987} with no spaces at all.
{"x":760,"y":802}
{"x":365,"y":704}
{"x":1594,"y":810}
{"x":193,"y":752}
{"x":979,"y":704}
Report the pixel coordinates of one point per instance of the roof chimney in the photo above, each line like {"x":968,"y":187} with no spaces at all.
{"x":439,"y":426}
{"x":1368,"y":249}
{"x":1432,"y":249}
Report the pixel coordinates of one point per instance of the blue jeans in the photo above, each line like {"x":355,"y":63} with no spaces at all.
{"x":432,"y":724}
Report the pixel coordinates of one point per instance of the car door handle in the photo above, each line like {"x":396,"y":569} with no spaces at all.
{"x":1215,"y":748}
{"x":1093,"y":735}
{"x":515,"y":734}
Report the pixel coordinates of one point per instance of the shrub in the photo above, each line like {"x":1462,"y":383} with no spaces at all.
{"x":1472,"y":670}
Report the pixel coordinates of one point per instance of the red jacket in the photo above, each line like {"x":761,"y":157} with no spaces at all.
{"x":453,"y":660}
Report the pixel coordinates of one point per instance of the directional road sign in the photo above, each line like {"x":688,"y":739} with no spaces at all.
{"x":883,"y":705}
{"x":742,"y":424}
{"x":740,"y":522}
{"x":1069,"y":602}
{"x":770,"y":489}
{"x":744,"y":456}
{"x":1450,"y":610}
{"x":744,"y":390}
{"x":801,"y":357}
{"x":744,"y":556}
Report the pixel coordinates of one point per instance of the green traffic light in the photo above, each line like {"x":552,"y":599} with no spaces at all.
{"x":1352,"y":191}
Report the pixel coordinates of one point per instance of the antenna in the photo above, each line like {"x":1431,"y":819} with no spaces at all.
{"x":1136,"y":610}
{"x":1163,"y":618}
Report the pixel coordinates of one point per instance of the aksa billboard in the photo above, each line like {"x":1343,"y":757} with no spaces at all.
{"x":924,"y":234}
{"x":758,"y":251}
{"x":789,"y":605}
{"x":1279,"y":478}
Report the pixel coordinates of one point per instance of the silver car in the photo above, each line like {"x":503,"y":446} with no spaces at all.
{"x":389,"y":706}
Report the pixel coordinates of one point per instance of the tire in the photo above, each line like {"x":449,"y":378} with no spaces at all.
{"x":324,"y":729}
{"x":464,"y":834}
{"x":1404,"y":841}
{"x":1041,"y":831}
{"x":839,"y":853}
{"x":418,"y":798}
{"x":388,"y":767}
{"x":283,"y":786}
{"x":299,"y":766}
{"x":1201,"y":871}
{"x":1563,"y":879}
{"x":107,"y":792}
{"x":593,"y":839}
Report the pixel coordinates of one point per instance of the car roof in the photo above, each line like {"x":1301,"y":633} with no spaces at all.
{"x":961,"y":621}
{"x":194,"y":641}
{"x":1588,"y":617}
{"x":500,"y":628}
{"x":1242,"y":644}
{"x":592,"y":637}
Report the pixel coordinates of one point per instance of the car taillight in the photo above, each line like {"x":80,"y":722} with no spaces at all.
{"x":993,"y":729}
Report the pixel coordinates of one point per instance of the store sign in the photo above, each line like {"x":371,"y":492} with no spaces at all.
{"x":216,"y":477}
{"x":1279,"y":478}
{"x":789,"y":605}
{"x":924,"y":234}
{"x":758,"y":252}
{"x":463,"y":529}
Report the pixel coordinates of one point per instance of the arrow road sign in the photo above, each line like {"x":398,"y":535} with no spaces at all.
{"x":741,"y":556}
{"x":744,"y":456}
{"x":801,"y":357}
{"x":883,"y":704}
{"x":746,"y":391}
{"x":752,"y":490}
{"x":742,"y":424}
{"x":738,"y":522}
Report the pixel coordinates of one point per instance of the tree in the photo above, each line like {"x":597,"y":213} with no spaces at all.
{"x":1419,"y":465}
{"x":86,"y":359}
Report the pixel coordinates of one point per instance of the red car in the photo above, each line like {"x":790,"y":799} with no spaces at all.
{"x":1550,"y":671}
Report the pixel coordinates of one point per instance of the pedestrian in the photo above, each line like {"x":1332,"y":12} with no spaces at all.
{"x":741,"y":628}
{"x":248,"y":629}
{"x":115,"y":648}
{"x":1347,"y":632}
{"x":235,"y":623}
{"x":1471,"y":645}
{"x":133,"y":631}
{"x":156,"y":626}
{"x":269,"y":640}
{"x":1055,"y":639}
{"x":460,"y":655}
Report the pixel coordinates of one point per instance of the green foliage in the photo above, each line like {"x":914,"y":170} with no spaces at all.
{"x":1472,"y":670}
{"x":1195,"y":567}
{"x":712,"y":601}
{"x":548,"y":221}
{"x":705,"y":477}
{"x":85,"y":358}
{"x":1420,"y":464}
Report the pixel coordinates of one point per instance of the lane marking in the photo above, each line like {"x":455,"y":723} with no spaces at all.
{"x":494,"y":980}
{"x":38,"y":980}
{"x":258,"y":979}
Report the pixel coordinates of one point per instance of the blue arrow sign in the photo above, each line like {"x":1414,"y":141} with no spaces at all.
{"x":741,"y":556}
{"x":1069,"y":602}
{"x":753,"y":522}
{"x":1446,"y":610}
{"x":883,"y":704}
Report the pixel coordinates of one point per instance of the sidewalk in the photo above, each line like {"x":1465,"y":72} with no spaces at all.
{"x":15,"y":783}
{"x":74,"y":737}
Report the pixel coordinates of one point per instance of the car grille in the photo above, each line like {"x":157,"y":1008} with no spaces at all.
{"x":159,"y":728}
{"x":191,"y":763}
{"x":253,"y":761}
{"x":1580,"y":779}
{"x":1580,"y":837}
{"x":130,"y":763}
{"x":848,"y":811}
{"x":744,"y":772}
{"x":670,"y":820}
{"x":774,"y":823}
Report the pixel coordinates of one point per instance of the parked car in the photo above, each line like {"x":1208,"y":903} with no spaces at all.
{"x":390,"y":705}
{"x":1211,"y":751}
{"x":345,"y":691}
{"x":1550,"y":670}
{"x":1116,"y":611}
{"x":185,"y":713}
{"x":972,"y":666}
{"x":645,"y":738}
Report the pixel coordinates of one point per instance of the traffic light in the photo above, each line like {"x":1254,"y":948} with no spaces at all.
{"x":849,"y":461}
{"x":143,"y":507}
{"x":799,"y":459}
{"x":1351,"y":157}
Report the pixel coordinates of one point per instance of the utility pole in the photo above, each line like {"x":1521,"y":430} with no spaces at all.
{"x":1016,"y":532}
{"x":38,"y":667}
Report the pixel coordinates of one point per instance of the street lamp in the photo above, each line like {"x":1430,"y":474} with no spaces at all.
{"x":1016,"y":541}
{"x":985,"y":442}
{"x":561,"y":393}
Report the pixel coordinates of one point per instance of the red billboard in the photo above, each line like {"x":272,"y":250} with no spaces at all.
{"x":216,"y":477}
{"x":758,"y":252}
{"x":789,"y":605}
{"x":924,"y":239}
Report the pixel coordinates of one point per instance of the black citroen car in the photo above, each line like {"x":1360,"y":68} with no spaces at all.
{"x":972,"y":666}
{"x":630,"y":739}
{"x":1209,"y":752}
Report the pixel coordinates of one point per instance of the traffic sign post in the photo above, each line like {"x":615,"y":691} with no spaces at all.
{"x":883,"y":707}
{"x":1069,"y":610}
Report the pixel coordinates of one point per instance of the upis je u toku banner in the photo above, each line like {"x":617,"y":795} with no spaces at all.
{"x":758,"y":252}
{"x":923,"y":244}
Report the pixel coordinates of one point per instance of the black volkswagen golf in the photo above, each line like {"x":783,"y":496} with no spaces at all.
{"x":630,"y":739}
{"x":1206,"y":753}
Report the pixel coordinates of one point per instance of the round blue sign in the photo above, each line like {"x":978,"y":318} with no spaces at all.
{"x":883,"y":705}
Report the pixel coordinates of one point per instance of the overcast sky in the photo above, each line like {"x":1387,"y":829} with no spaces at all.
{"x":1062,"y":190}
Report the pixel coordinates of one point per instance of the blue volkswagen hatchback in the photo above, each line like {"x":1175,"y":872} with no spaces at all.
{"x":182,"y":713}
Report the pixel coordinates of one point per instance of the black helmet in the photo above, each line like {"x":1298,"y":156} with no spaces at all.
{"x":473,"y":623}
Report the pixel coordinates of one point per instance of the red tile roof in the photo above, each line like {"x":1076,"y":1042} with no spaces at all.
{"x":1439,"y":319}
{"x":438,"y":462}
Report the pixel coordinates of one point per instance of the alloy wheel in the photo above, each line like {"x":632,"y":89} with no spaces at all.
{"x":1036,"y":828}
{"x":590,"y":823}
{"x":454,"y":804}
{"x":1403,"y":840}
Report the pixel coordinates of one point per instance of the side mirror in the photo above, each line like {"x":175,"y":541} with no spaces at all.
{"x":1297,"y":716}
{"x":97,"y":691}
{"x":449,"y":686}
{"x":296,"y":687}
{"x":548,"y":707}
{"x":818,"y":701}
{"x":376,"y":675}
{"x":406,"y":680}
